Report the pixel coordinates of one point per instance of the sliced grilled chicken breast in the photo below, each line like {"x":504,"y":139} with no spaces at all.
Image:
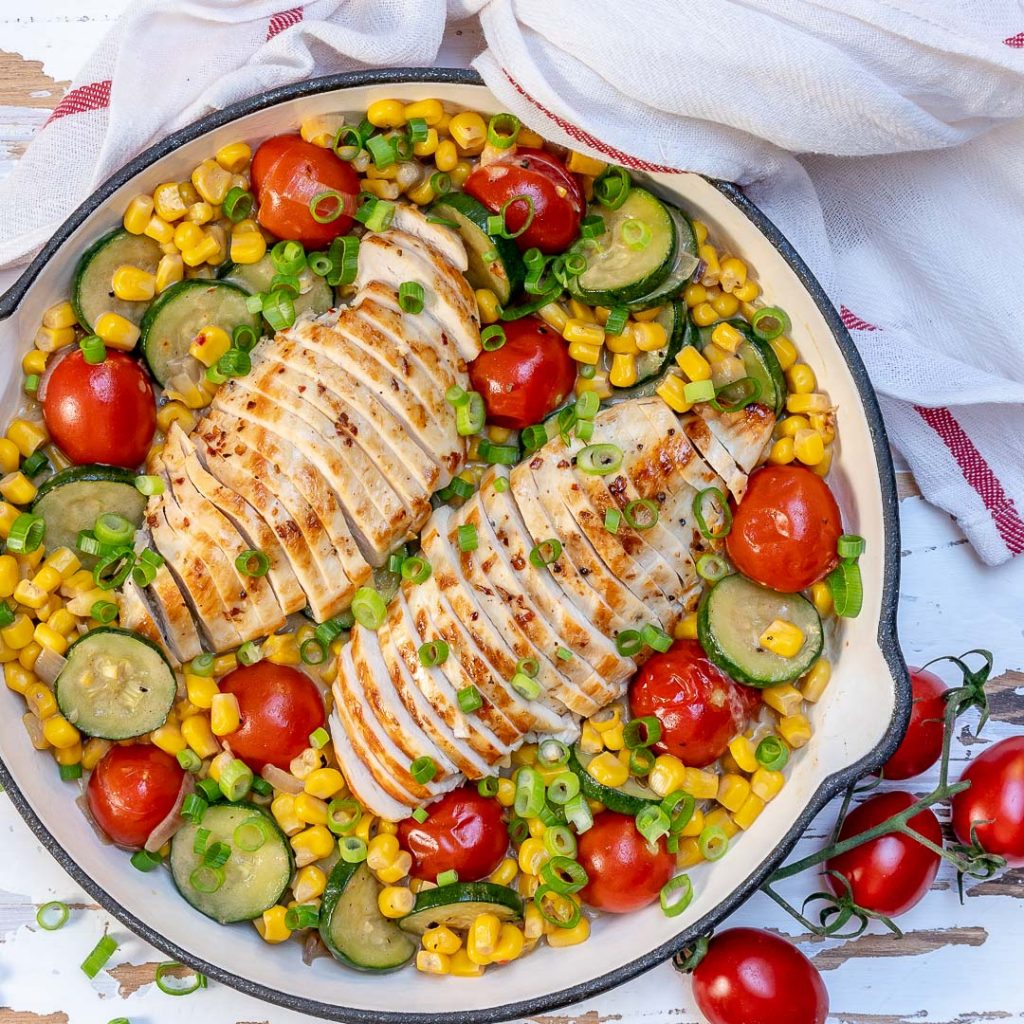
{"x":173,"y":615}
{"x":135,"y":613}
{"x":744,"y":434}
{"x":445,"y":240}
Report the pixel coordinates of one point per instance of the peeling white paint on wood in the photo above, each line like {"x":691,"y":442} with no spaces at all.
{"x":958,"y":963}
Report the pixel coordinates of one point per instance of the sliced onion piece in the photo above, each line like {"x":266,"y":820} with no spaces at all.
{"x":282,"y":780}
{"x":163,"y":832}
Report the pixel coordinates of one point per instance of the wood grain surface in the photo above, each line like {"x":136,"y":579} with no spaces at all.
{"x":957,"y":964}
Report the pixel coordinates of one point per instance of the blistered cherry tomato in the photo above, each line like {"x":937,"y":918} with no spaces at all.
{"x":921,"y":746}
{"x":131,"y":790}
{"x":753,"y":977}
{"x":785,"y":529}
{"x":465,"y":832}
{"x":892,"y":873}
{"x":527,"y":378}
{"x":558,"y":202}
{"x":103,"y":412}
{"x":994,"y":805}
{"x":278,"y":709}
{"x":287,"y":174}
{"x":699,"y":707}
{"x":625,"y":872}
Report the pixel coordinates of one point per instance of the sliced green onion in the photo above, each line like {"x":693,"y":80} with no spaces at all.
{"x":94,"y":351}
{"x":217,"y":854}
{"x":456,"y":396}
{"x":488,"y":786}
{"x":849,"y":545}
{"x":501,"y":218}
{"x":244,"y":337}
{"x":698,"y":391}
{"x":194,"y":807}
{"x":552,"y":752}
{"x":97,"y":959}
{"x":772,"y":753}
{"x":202,"y":664}
{"x":679,"y":807}
{"x":599,"y":459}
{"x":458,"y":488}
{"x":171,"y":985}
{"x":559,"y":841}
{"x":585,"y":430}
{"x":562,"y":874}
{"x":261,"y":787}
{"x":449,"y":877}
{"x":52,"y":916}
{"x":348,"y":143}
{"x":235,"y":780}
{"x":467,"y":538}
{"x":642,"y":732}
{"x":285,"y":283}
{"x":238,"y":204}
{"x":326,"y":207}
{"x":636,"y":234}
{"x":533,"y":437}
{"x":501,"y":485}
{"x":253,"y":563}
{"x":103,"y":611}
{"x":189,"y":760}
{"x":249,"y":653}
{"x":7,"y":615}
{"x":578,"y":812}
{"x":34,"y":464}
{"x":31,"y":383}
{"x":587,"y":405}
{"x":252,"y":834}
{"x":641,"y":514}
{"x":471,"y":416}
{"x":327,"y":631}
{"x":279,"y":312}
{"x":302,"y":915}
{"x":564,"y":654}
{"x":713,"y":842}
{"x":712,"y":567}
{"x":503,"y":130}
{"x":209,"y":789}
{"x":847,"y":588}
{"x":254,"y":304}
{"x":382,"y":149}
{"x":528,"y":667}
{"x":319,"y":738}
{"x":705,"y":501}
{"x":320,"y":263}
{"x":402,"y":145}
{"x":628,"y":643}
{"x":343,"y":816}
{"x":676,"y":895}
{"x":441,"y":184}
{"x":652,"y":823}
{"x":113,"y":569}
{"x":563,"y":788}
{"x":423,"y":769}
{"x":565,"y":912}
{"x":592,"y":226}
{"x":415,"y":569}
{"x":26,"y":534}
{"x":469,"y":699}
{"x":418,"y":129}
{"x":433,"y":653}
{"x":498,"y":454}
{"x":352,"y":849}
{"x":143,"y":573}
{"x":380,"y":216}
{"x":525,"y":685}
{"x":312,"y":651}
{"x":492,"y":338}
{"x":612,"y":186}
{"x":206,"y":878}
{"x":612,"y":520}
{"x":530,"y":792}
{"x":545,"y":553}
{"x":769,"y":322}
{"x":443,"y":221}
{"x":69,"y":772}
{"x":369,"y":608}
{"x":747,"y":390}
{"x":344,"y":254}
{"x":288,"y":257}
{"x":641,"y":761}
{"x":410,"y":296}
{"x":656,"y":638}
{"x":149,"y":485}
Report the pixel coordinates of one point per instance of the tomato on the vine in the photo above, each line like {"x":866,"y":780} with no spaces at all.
{"x":891,"y":873}
{"x":994,"y":805}
{"x":921,"y":746}
{"x":753,"y":977}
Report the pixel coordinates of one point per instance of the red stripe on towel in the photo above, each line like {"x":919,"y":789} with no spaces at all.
{"x":94,"y":96}
{"x":577,"y":133}
{"x":285,"y":19}
{"x":978,"y":473}
{"x":1016,"y":42}
{"x":852,"y":322}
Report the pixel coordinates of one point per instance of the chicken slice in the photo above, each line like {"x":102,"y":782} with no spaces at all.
{"x":744,"y":434}
{"x":714,"y":454}
{"x":359,"y":779}
{"x":174,"y":616}
{"x":134,"y":613}
{"x":445,"y":240}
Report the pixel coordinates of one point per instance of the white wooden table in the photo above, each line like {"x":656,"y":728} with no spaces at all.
{"x":956,"y":965}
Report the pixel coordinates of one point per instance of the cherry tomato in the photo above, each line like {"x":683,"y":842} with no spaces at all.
{"x":994,"y":804}
{"x":131,"y":790}
{"x":558,"y":202}
{"x":465,"y":833}
{"x":278,"y":709}
{"x":785,"y":529}
{"x":892,"y":873}
{"x":527,"y":378}
{"x":103,"y":412}
{"x":700,"y":708}
{"x":624,"y":872}
{"x":753,"y":977}
{"x":921,"y":747}
{"x":287,"y":174}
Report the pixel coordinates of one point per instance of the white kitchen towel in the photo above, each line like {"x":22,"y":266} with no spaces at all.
{"x":884,"y":137}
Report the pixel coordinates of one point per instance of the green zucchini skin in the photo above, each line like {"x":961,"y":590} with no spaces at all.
{"x":257,"y":277}
{"x":627,"y":799}
{"x":458,"y":905}
{"x":91,"y":287}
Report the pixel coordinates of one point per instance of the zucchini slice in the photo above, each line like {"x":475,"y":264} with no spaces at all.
{"x":763,"y":365}
{"x":352,"y":926}
{"x":458,"y":905}
{"x":73,"y":499}
{"x":91,"y":292}
{"x":629,"y":798}
{"x":180,"y":313}
{"x":504,"y":271}
{"x":115,"y":685}
{"x":253,"y":879}
{"x":618,"y":273}
{"x":651,"y":366}
{"x":315,"y":295}
{"x":686,"y":262}
{"x":731,"y":618}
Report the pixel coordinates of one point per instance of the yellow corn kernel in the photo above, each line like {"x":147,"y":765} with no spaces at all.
{"x":726,"y":336}
{"x":28,"y":594}
{"x":582,"y":353}
{"x":733,"y":274}
{"x":590,"y":739}
{"x":324,"y":783}
{"x":487,"y":303}
{"x":117,"y":332}
{"x":78,"y":582}
{"x":69,"y":755}
{"x":813,"y":403}
{"x":695,"y":825}
{"x":10,"y":457}
{"x":782,"y":638}
{"x":506,"y":792}
{"x":60,"y":733}
{"x":608,"y":770}
{"x":17,"y":488}
{"x":381,"y":852}
{"x":704,"y":315}
{"x":34,"y":728}
{"x":785,"y":351}
{"x":234,"y":157}
{"x":460,"y":172}
{"x":695,"y":295}
{"x":386,"y":113}
{"x":169,"y":739}
{"x":175,"y":412}
{"x":396,"y":871}
{"x":667,"y":775}
{"x":700,"y":231}
{"x":46,"y":636}
{"x":310,"y":809}
{"x":18,"y":677}
{"x":598,"y":384}
{"x":8,"y":575}
{"x":469,"y":131}
{"x":132,"y":284}
{"x":784,"y":698}
{"x":792,"y":425}
{"x":822,"y":468}
{"x":732,"y":791}
{"x":395,"y":901}
{"x":248,"y":247}
{"x":743,"y":753}
{"x":225,"y":716}
{"x":749,"y":812}
{"x":282,"y":649}
{"x":433,"y":963}
{"x":28,"y":436}
{"x":608,"y":718}
{"x":441,"y":939}
{"x":200,"y":213}
{"x":447,"y":156}
{"x":579,"y":330}
{"x":170,"y":270}
{"x":693,"y":364}
{"x":309,"y":883}
{"x":201,"y":690}
{"x":824,"y":424}
{"x":614,"y":738}
{"x":423,"y":193}
{"x":208,"y":248}
{"x":210,"y":344}
{"x":505,"y":872}
{"x":725,"y":305}
{"x":211,"y":181}
{"x":62,"y":621}
{"x":817,"y":679}
{"x":93,"y":752}
{"x":581,"y":311}
{"x":672,"y":392}
{"x":313,"y":844}
{"x":381,"y":189}
{"x":560,"y":937}
{"x":795,"y":730}
{"x":536,"y":826}
{"x":430,"y":111}
{"x":188,"y":235}
{"x":64,"y":562}
{"x":688,"y":853}
{"x":712,"y":269}
{"x":821,"y":596}
{"x":623,"y":371}
{"x":580,"y":163}
{"x":282,"y":807}
{"x":533,"y":855}
{"x":721,"y":818}
{"x":747,"y":292}
{"x":699,"y":784}
{"x":199,"y":736}
{"x":766,"y":784}
{"x":649,"y":337}
{"x":271,"y":925}
{"x":40,"y":700}
{"x":482,"y":938}
{"x":554,"y":316}
{"x":686,"y":627}
{"x":137,"y":214}
{"x":34,"y":361}
{"x":808,"y":447}
{"x":509,"y":946}
{"x":782,"y":453}
{"x":801,"y":380}
{"x":53,"y":605}
{"x":159,"y":230}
